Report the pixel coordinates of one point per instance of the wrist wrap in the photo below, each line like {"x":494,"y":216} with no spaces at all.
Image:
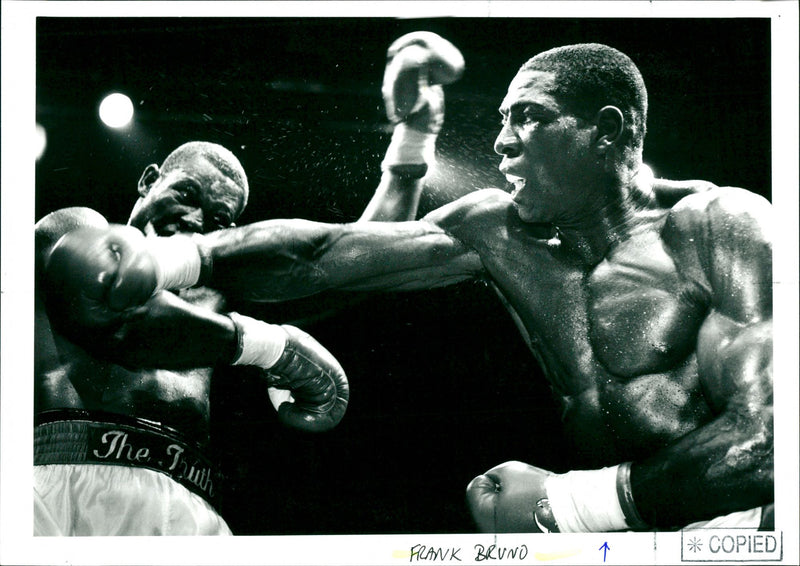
{"x":258,"y":343}
{"x":177,"y":262}
{"x":625,"y":495}
{"x":410,"y":147}
{"x":593,"y":500}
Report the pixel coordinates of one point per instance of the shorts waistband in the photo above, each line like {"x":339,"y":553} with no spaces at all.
{"x":83,"y":437}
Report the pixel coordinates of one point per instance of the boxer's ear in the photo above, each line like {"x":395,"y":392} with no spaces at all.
{"x":609,"y":124}
{"x":149,"y":176}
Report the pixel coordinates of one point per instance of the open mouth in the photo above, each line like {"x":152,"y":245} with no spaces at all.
{"x":517,"y":182}
{"x":523,"y":208}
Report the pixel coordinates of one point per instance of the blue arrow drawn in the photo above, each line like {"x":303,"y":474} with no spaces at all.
{"x":605,"y":548}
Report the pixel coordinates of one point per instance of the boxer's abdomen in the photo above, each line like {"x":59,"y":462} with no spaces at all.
{"x":68,"y":377}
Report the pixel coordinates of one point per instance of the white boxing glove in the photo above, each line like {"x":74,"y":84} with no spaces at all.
{"x":418,"y":64}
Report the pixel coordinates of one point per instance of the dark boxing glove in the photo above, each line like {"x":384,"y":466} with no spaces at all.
{"x":294,"y":362}
{"x":506,"y":499}
{"x":94,"y":277}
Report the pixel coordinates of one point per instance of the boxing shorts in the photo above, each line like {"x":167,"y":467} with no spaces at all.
{"x":103,"y":474}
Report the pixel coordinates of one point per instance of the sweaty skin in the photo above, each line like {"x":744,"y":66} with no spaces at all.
{"x":647,"y":302}
{"x":157,"y":366}
{"x":659,"y":353}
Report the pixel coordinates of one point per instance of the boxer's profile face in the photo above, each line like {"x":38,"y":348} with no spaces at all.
{"x":193,"y":196}
{"x":546,"y":150}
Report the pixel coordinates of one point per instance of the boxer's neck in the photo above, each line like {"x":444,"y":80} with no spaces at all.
{"x":591,"y":235}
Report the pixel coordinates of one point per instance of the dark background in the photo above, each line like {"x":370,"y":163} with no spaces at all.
{"x":442,"y":386}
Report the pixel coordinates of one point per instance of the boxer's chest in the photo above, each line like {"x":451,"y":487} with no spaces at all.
{"x":642,"y":318}
{"x":617,"y":342}
{"x":631,"y":315}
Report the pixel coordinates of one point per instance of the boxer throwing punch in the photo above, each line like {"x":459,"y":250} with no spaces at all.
{"x":647,"y":303}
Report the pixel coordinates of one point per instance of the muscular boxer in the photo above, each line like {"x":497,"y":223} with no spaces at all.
{"x":652,"y":319}
{"x":123,"y":374}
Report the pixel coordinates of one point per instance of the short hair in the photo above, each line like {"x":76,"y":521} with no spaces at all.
{"x":590,"y":76}
{"x":222,"y":158}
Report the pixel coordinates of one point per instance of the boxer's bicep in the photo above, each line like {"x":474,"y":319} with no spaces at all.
{"x":420,"y":263}
{"x":734,"y":348}
{"x":734,"y":345}
{"x":735,"y":364}
{"x":394,"y":257}
{"x":725,"y":464}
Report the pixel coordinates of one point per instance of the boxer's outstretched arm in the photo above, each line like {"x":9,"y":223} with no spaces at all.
{"x":166,"y":333}
{"x":726,"y":465}
{"x":278,"y":260}
{"x":418,"y":64}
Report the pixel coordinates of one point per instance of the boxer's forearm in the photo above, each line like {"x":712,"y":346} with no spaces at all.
{"x":169,"y":333}
{"x":397,"y":196}
{"x":723,"y":467}
{"x":279,"y":260}
{"x":727,"y":464}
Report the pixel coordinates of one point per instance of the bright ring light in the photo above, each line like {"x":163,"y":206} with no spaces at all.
{"x":116,"y":110}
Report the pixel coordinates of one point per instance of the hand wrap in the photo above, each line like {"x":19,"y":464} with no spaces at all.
{"x":177,"y":261}
{"x":587,"y":501}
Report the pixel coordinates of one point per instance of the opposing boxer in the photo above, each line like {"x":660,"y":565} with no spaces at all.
{"x":123,"y":373}
{"x":122,"y":402}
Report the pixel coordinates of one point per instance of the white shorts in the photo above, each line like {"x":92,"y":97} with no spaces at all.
{"x":96,"y":499}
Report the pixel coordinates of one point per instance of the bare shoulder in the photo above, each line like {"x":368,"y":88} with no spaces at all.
{"x":472,"y":209}
{"x":54,"y":225}
{"x":721,"y":234}
{"x":721,"y":210}
{"x":668,"y":192}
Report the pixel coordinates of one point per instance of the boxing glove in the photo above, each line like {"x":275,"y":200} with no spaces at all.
{"x":517,"y":497}
{"x":510,"y":498}
{"x":418,"y":64}
{"x":292,"y":361}
{"x":94,"y":277}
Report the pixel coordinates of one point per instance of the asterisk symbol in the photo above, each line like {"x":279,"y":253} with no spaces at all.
{"x":695,"y":544}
